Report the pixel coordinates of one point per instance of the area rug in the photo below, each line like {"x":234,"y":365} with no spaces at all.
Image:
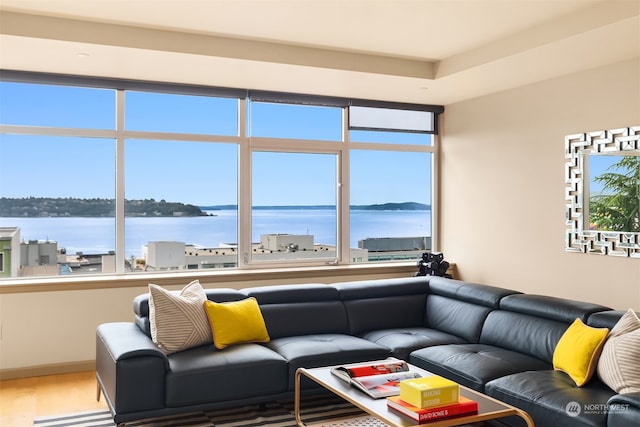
{"x":321,"y":409}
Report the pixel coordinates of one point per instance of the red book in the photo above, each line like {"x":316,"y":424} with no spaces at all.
{"x":385,"y":367}
{"x":422,"y":415}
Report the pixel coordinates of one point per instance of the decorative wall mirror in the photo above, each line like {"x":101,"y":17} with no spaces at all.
{"x":602,"y":173}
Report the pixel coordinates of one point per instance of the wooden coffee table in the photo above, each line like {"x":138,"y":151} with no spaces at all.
{"x":379,"y":414}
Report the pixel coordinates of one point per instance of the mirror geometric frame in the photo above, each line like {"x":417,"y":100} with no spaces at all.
{"x":579,"y":238}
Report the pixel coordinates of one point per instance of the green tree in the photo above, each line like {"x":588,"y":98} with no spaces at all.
{"x":618,"y":207}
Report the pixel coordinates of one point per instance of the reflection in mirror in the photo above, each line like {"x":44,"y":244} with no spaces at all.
{"x":602,"y":191}
{"x":614,"y":192}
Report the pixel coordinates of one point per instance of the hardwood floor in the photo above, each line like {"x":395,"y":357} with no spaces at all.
{"x":23,"y":399}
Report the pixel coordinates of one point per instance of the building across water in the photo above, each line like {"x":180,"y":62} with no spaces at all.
{"x":272,"y":247}
{"x":44,"y":258}
{"x":395,"y":248}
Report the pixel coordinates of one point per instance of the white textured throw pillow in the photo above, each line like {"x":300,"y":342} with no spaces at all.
{"x":178,"y":320}
{"x":619,"y":364}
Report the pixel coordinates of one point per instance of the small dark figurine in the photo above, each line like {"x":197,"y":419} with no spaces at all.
{"x":433,"y":264}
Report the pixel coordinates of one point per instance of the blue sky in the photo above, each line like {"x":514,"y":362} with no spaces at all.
{"x":598,"y":164}
{"x":190,"y":172}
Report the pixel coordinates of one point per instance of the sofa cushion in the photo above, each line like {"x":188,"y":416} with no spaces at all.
{"x":384,"y":304}
{"x":178,"y":320}
{"x":553,"y":308}
{"x":236,"y":322}
{"x":552,"y":399}
{"x":381,"y":288}
{"x":523,"y":333}
{"x":459,"y":318}
{"x":206,"y":375}
{"x":524,"y":319}
{"x":578,"y":351}
{"x":460,"y":308}
{"x":293,"y":310}
{"x":605,"y":319}
{"x":485,"y":295}
{"x":402,"y":341}
{"x":314,"y":350}
{"x":619,"y":365}
{"x":473,"y":365}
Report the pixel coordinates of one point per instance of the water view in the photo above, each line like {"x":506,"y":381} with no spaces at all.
{"x":97,"y":235}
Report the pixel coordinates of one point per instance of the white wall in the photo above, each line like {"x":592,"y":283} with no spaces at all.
{"x":502,"y":171}
{"x":57,"y":327}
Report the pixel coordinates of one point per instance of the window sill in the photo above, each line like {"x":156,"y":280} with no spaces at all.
{"x":225,"y":278}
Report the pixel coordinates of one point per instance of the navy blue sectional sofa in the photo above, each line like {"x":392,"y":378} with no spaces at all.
{"x":494,"y":340}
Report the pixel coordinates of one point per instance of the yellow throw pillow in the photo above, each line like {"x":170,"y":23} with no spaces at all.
{"x":236,"y":322}
{"x":578,"y":350}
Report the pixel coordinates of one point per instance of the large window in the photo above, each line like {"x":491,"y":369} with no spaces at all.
{"x":58,"y":193}
{"x":293,"y":215}
{"x":390,"y":204}
{"x":95,"y":178}
{"x":175,"y":192}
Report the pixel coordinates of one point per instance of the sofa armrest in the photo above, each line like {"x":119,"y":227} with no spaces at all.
{"x":125,"y":340}
{"x":130,"y":368}
{"x":624,"y":410}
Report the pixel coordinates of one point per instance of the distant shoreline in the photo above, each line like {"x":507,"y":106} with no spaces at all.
{"x":39,"y":207}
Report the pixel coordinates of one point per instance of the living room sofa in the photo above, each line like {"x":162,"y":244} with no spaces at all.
{"x":494,"y":340}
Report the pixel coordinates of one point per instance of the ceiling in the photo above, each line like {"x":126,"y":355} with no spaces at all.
{"x":424,"y":51}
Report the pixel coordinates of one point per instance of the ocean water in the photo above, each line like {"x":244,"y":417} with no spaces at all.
{"x":97,"y":235}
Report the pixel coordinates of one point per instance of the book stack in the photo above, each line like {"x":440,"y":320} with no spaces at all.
{"x":431,"y":398}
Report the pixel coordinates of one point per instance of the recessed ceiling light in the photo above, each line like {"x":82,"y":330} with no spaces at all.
{"x":83,"y":55}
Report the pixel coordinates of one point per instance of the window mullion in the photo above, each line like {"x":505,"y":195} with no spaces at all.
{"x":119,"y":184}
{"x":56,"y":131}
{"x":376,"y":146}
{"x":343,"y":201}
{"x":435,"y":194}
{"x":244,"y":188}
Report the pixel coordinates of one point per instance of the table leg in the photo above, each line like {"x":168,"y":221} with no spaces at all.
{"x":296,"y":400}
{"x":526,"y":417}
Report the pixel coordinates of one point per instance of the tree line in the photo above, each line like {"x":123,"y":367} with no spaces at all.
{"x":96,"y":207}
{"x":618,"y":207}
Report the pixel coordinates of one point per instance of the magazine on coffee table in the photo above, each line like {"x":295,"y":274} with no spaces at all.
{"x":378,"y":379}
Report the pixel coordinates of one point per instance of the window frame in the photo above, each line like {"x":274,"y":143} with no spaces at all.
{"x":246,"y":146}
{"x":245,"y":203}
